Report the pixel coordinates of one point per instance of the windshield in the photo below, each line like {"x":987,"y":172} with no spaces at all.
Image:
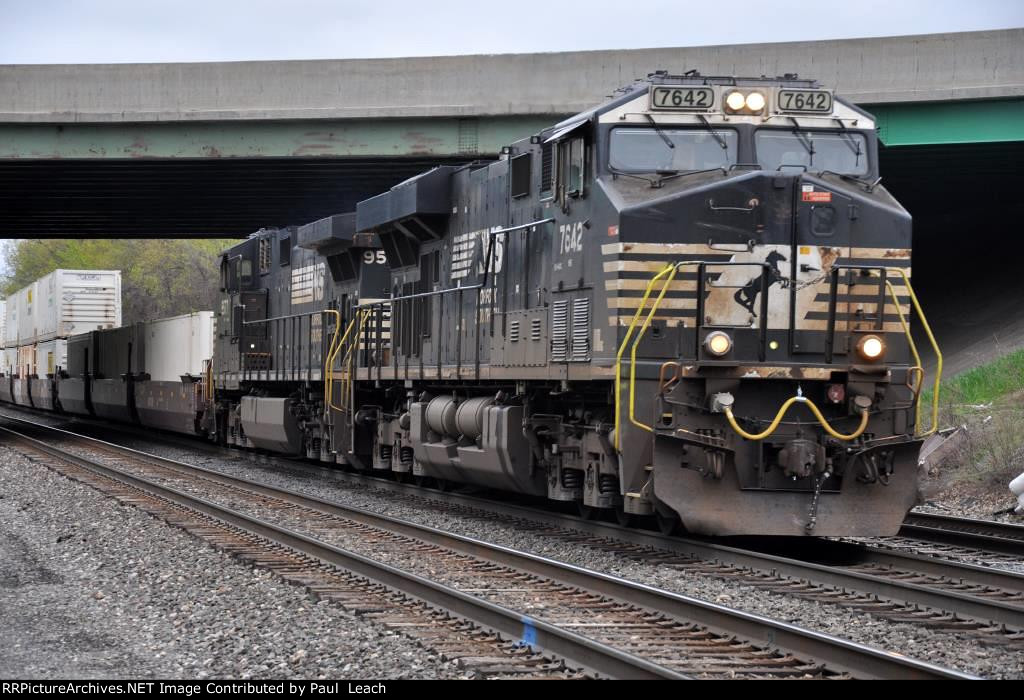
{"x":843,"y":153}
{"x":646,"y":150}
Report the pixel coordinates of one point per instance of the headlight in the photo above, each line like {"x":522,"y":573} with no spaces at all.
{"x":735,"y":101}
{"x":718,"y":343}
{"x":871,"y":347}
{"x":755,"y":102}
{"x":745,"y":103}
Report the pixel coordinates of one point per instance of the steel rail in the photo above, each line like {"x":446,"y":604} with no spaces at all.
{"x":836,"y":654}
{"x":991,"y":535}
{"x":705,"y":548}
{"x":979,"y":608}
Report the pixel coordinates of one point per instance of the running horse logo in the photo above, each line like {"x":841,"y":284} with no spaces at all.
{"x":747,"y":295}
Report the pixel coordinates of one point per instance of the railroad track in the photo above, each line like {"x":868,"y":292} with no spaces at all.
{"x":516,"y":603}
{"x":889,"y":582}
{"x":896,"y":585}
{"x":952,"y":531}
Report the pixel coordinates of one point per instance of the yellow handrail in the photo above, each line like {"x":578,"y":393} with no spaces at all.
{"x":782,"y":412}
{"x":328,"y":370}
{"x":330,"y":350}
{"x":938,"y":361}
{"x":636,"y":344}
{"x":622,"y":350}
{"x":332,"y":355}
{"x":639,"y":336}
{"x":918,"y":368}
{"x":347,"y":376}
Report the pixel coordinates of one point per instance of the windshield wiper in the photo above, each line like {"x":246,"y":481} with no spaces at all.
{"x":804,"y":140}
{"x":664,"y":175}
{"x":718,"y":137}
{"x":853,"y":143}
{"x":662,"y":180}
{"x":869,"y":185}
{"x":659,"y":132}
{"x":623,"y":173}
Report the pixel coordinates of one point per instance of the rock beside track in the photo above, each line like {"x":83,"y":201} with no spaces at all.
{"x":90,"y":588}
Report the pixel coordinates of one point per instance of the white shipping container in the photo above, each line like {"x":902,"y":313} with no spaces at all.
{"x":26,"y":361}
{"x":72,"y":302}
{"x":50,"y":356}
{"x":25,"y":299}
{"x":10,"y":360}
{"x":11,"y":322}
{"x":178,"y":346}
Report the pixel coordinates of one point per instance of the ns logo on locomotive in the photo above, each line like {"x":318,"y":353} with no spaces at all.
{"x":691,"y":302}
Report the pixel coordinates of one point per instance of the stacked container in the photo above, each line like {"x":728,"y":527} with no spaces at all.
{"x":174,"y":351}
{"x":120,"y":359}
{"x":70,"y":302}
{"x":40,"y":317}
{"x":11,"y":321}
{"x":176,"y":347}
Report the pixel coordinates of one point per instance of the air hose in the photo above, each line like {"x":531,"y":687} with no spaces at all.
{"x":725,"y":403}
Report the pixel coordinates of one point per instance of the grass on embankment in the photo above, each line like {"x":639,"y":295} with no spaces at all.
{"x":989,"y":401}
{"x":989,"y":383}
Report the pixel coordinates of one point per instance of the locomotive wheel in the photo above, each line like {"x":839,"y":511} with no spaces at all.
{"x":445,"y":485}
{"x":667,"y":524}
{"x":587,"y":512}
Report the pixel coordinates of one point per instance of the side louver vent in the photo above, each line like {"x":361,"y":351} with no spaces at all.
{"x":513,"y":332}
{"x":535,"y":329}
{"x":560,"y":331}
{"x":580,"y":330}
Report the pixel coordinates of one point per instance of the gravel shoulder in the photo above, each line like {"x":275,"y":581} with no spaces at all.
{"x":90,"y":588}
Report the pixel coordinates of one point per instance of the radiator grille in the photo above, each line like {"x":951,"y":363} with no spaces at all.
{"x":580,"y":330}
{"x":560,"y":331}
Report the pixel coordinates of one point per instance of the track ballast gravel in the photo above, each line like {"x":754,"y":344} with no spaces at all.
{"x":90,"y":588}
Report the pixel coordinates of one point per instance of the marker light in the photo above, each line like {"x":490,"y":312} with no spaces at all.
{"x":755,"y":102}
{"x":836,"y":393}
{"x":735,"y":101}
{"x":718,"y":343}
{"x":870,"y":347}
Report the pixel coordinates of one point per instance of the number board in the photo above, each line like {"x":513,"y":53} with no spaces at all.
{"x":805,"y":101}
{"x":682,"y":98}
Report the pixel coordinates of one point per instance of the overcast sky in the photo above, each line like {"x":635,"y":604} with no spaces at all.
{"x":101,"y":31}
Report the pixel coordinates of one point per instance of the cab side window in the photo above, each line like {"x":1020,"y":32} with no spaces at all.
{"x":571,"y":162}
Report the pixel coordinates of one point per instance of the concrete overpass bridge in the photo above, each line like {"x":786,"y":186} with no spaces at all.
{"x":224,"y":148}
{"x":221,"y":149}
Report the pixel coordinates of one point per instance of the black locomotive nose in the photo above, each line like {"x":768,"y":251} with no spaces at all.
{"x":726,"y":212}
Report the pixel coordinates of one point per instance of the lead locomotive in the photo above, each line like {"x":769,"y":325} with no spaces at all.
{"x":689,"y":302}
